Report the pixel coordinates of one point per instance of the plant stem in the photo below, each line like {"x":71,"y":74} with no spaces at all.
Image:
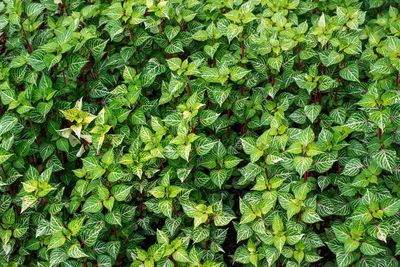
{"x":26,"y":39}
{"x":176,"y":212}
{"x":188,"y":87}
{"x":65,"y":7}
{"x":298,"y":57}
{"x":242,"y":50}
{"x":266,"y":170}
{"x":162,"y":165}
{"x":34,"y":132}
{"x":273,"y":80}
{"x":65,"y":82}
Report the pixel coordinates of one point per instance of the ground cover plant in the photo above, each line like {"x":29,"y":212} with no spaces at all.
{"x":199,"y":133}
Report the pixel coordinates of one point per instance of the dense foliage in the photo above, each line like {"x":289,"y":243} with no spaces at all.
{"x":199,"y":133}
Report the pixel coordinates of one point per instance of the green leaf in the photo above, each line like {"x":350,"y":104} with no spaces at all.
{"x":390,"y":206}
{"x":361,"y":213}
{"x":171,"y":32}
{"x":222,"y":218}
{"x":7,"y":123}
{"x":353,"y":167}
{"x":4,"y":156}
{"x":113,"y":217}
{"x":146,"y":135}
{"x":92,"y":205}
{"x":180,"y":255}
{"x":338,"y":115}
{"x":310,"y":216}
{"x":385,"y":158}
{"x":350,"y":73}
{"x":237,"y":73}
{"x":232,"y":31}
{"x":8,"y":217}
{"x":129,"y":74}
{"x":165,"y":207}
{"x":56,"y":240}
{"x":381,"y":118}
{"x":158,"y":191}
{"x":345,"y":259}
{"x":331,"y":58}
{"x":277,"y":224}
{"x":208,"y":117}
{"x":306,"y":137}
{"x":75,"y":225}
{"x":57,"y":256}
{"x":174,"y":63}
{"x":275,"y":62}
{"x":242,"y":255}
{"x":231,"y":161}
{"x":370,"y":247}
{"x":379,"y":231}
{"x":218,"y":177}
{"x":27,"y":202}
{"x":244,"y":232}
{"x":120,"y":192}
{"x":302,"y":164}
{"x":312,"y":111}
{"x":76,"y":252}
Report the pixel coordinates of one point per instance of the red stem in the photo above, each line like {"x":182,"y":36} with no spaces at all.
{"x":91,"y":72}
{"x":172,"y":259}
{"x":5,"y":177}
{"x":162,"y":165}
{"x":273,"y":80}
{"x":298,"y":57}
{"x":228,"y":116}
{"x":65,"y":82}
{"x":188,"y":87}
{"x":65,"y":7}
{"x":266,"y":170}
{"x":83,"y":77}
{"x":84,"y":83}
{"x":26,"y":39}
{"x":34,"y":132}
{"x":119,"y":260}
{"x":141,"y":206}
{"x":132,"y":34}
{"x":336,"y":93}
{"x":176,"y":212}
{"x":315,"y":96}
{"x":242,"y":50}
{"x":4,"y":172}
{"x":115,"y":232}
